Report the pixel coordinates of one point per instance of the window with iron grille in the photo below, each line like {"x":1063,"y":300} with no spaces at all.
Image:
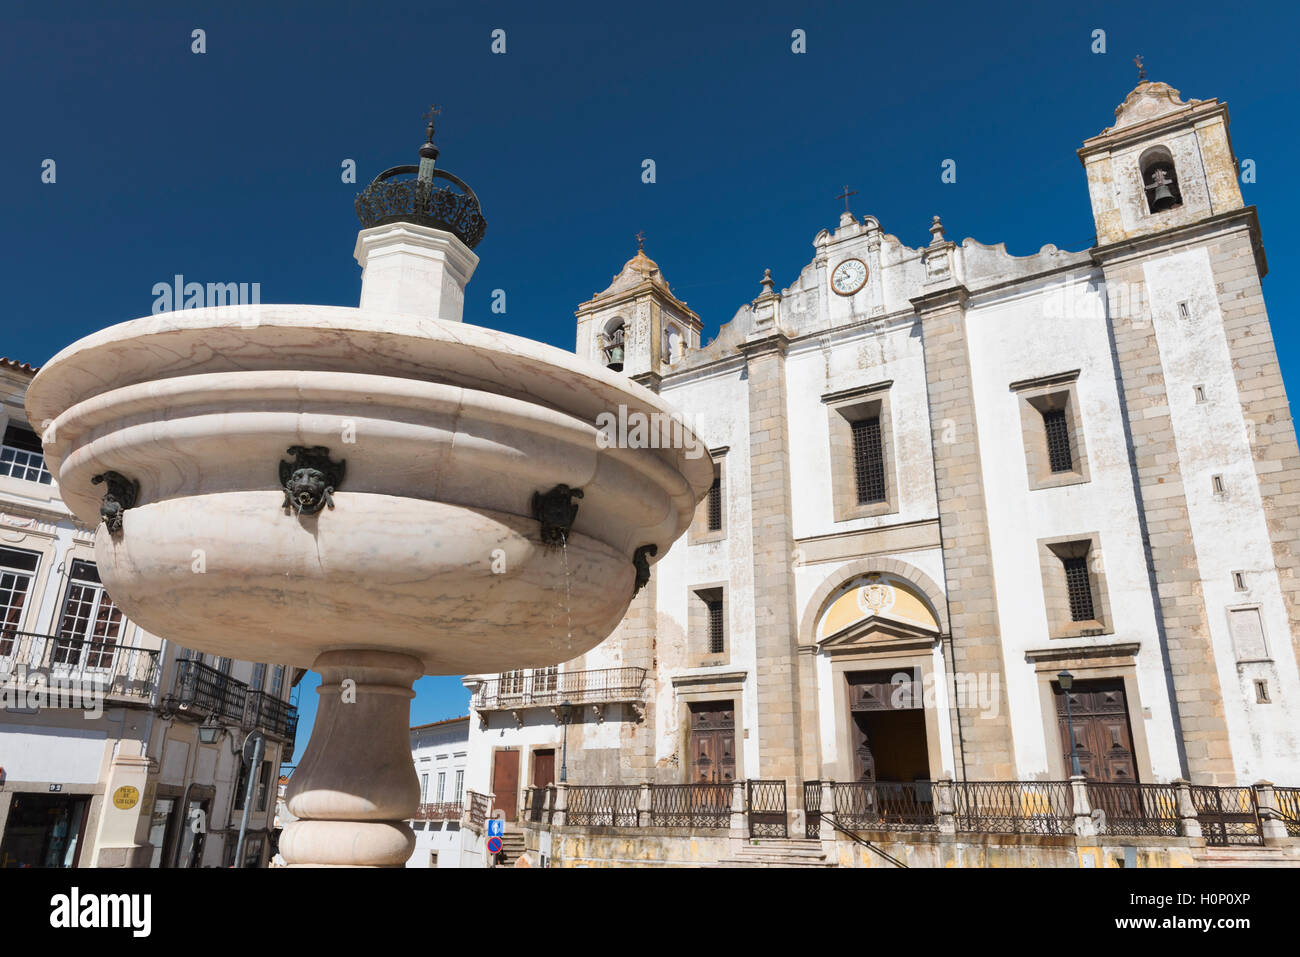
{"x":1058,"y":441}
{"x":868,"y":461}
{"x":715,"y":502}
{"x":1079,"y":588}
{"x":717,"y":634}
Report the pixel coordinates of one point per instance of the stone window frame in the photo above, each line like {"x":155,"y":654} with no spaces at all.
{"x":843,"y":408}
{"x":697,"y":622}
{"x":1052,"y":553}
{"x":699,"y":533}
{"x":1045,"y":394}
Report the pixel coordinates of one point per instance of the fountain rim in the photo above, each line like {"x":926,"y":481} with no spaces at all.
{"x":89,"y":361}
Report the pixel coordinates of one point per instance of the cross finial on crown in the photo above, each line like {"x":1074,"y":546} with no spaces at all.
{"x":432,"y":115}
{"x":640,"y":241}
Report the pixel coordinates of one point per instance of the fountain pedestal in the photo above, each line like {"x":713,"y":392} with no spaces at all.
{"x":356,"y":786}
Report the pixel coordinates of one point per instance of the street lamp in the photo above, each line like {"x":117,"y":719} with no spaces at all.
{"x":566,"y":712}
{"x":210,"y":730}
{"x":1066,"y":681}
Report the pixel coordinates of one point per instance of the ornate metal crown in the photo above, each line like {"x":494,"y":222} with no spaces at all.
{"x":420,"y":200}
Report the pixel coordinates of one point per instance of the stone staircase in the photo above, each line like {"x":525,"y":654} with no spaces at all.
{"x":1248,"y":856}
{"x":512,"y":848}
{"x":778,"y":852}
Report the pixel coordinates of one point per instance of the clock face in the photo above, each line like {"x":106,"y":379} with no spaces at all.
{"x":849,"y":276}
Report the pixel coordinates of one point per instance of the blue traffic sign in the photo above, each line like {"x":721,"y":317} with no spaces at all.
{"x":494,"y":845}
{"x":496,"y":827}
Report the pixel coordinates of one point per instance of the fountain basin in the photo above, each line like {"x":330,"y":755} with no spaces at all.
{"x":431,"y":550}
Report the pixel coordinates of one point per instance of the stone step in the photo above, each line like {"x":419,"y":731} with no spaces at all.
{"x":771,"y":862}
{"x":1248,"y":856}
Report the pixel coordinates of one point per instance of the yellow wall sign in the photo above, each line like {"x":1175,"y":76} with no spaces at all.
{"x":126,"y":797}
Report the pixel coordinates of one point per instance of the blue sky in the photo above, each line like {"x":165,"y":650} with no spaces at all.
{"x":225,"y":166}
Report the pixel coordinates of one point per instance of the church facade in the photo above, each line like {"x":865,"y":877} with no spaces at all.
{"x":975,"y":516}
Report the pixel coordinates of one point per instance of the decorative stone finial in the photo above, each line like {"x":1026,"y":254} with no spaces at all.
{"x":767,"y":282}
{"x":1142,"y":72}
{"x":640,"y":241}
{"x":936,"y":232}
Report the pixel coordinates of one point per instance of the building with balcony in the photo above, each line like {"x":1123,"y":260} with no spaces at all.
{"x":976,"y":517}
{"x":101,"y":758}
{"x":440,"y":751}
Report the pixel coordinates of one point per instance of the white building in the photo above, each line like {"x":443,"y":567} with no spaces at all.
{"x":946,"y":474}
{"x":100,"y":759}
{"x":440,"y":751}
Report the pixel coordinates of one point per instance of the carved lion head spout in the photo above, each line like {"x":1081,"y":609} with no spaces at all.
{"x":310,"y":480}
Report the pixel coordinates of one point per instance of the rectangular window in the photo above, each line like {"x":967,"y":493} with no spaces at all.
{"x":424,"y":789}
{"x":1058,"y":441}
{"x":512,"y":682}
{"x":259,"y":676}
{"x":241,"y":785}
{"x":717,"y":632}
{"x":442,"y":786}
{"x":545,"y":679}
{"x":868,"y":461}
{"x":277,"y":680}
{"x":91,"y":625}
{"x":21,"y":455}
{"x":460,"y":785}
{"x":715,"y":500}
{"x":1078,"y":588}
{"x":16,"y":572}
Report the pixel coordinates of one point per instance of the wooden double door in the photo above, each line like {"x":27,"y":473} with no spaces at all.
{"x":713,"y":742}
{"x":1103,"y":739}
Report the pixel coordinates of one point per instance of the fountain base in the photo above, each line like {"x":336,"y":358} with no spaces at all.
{"x":356,"y":786}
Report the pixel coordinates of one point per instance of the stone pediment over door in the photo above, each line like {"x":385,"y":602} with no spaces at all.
{"x":877,"y":611}
{"x":879,"y":633}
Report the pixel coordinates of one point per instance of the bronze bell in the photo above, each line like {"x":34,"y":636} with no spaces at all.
{"x":616,"y":354}
{"x":1163,"y":197}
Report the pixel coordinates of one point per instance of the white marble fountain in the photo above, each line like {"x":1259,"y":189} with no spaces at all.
{"x":363,"y":492}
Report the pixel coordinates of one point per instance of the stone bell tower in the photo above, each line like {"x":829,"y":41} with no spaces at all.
{"x":636,"y":325}
{"x":1212,"y":444}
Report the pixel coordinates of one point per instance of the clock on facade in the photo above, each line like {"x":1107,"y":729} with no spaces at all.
{"x":849,"y":276}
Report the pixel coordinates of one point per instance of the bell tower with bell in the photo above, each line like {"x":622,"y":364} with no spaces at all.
{"x":1165,"y":163}
{"x":636,"y":325}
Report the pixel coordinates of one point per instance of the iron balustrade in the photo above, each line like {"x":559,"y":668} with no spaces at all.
{"x":1288,"y":805}
{"x":765,"y":801}
{"x":603,"y":805}
{"x":1136,"y":810}
{"x":270,"y":714}
{"x":812,"y":809}
{"x":202,"y":688}
{"x":82,"y":665}
{"x":1228,"y":815}
{"x":578,"y":687}
{"x":885,"y":806}
{"x":442,"y":811}
{"x":1015,"y":807}
{"x":706,"y":806}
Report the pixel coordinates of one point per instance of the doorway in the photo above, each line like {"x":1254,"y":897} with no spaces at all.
{"x":1103,"y":739}
{"x":713,"y":742}
{"x":887,"y":727}
{"x":44,"y":830}
{"x":543,"y":767}
{"x":505,"y":783}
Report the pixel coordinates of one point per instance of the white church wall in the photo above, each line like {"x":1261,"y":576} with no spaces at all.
{"x":1228,"y":529}
{"x":1019,"y":336}
{"x":866,"y":357}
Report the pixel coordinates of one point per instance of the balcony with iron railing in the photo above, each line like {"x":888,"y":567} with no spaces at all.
{"x":79,"y":667}
{"x":549,"y":689}
{"x":202,"y":691}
